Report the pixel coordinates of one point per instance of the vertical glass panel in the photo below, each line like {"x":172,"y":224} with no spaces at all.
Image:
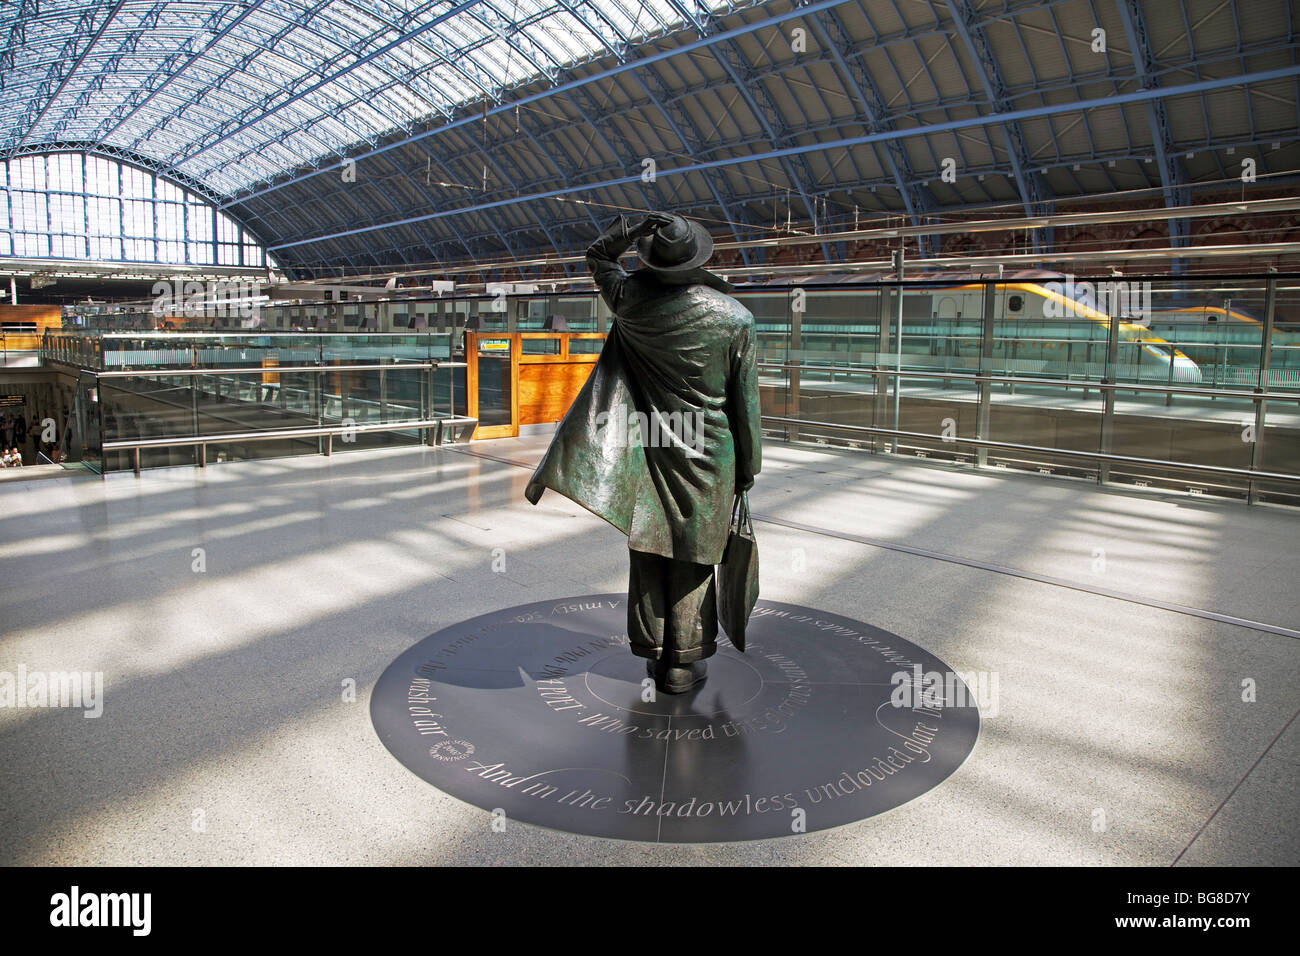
{"x":1050,"y":335}
{"x":87,"y":413}
{"x":403,"y":394}
{"x":1191,"y":334}
{"x":144,"y":407}
{"x":494,"y":395}
{"x":578,"y":311}
{"x":449,"y":395}
{"x":493,"y":312}
{"x":940,"y":335}
{"x":533,"y":314}
{"x":772,"y":350}
{"x":548,"y":346}
{"x":1279,"y":440}
{"x":53,"y":201}
{"x":836,"y":347}
{"x":29,"y":173}
{"x":136,"y":183}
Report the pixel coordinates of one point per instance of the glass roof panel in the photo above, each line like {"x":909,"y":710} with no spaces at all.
{"x":230,"y":93}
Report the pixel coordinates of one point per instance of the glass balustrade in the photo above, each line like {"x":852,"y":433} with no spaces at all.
{"x":1182,"y":382}
{"x":174,"y":389}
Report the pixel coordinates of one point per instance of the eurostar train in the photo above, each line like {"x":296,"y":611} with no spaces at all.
{"x":1044,"y":324}
{"x":1041,"y":324}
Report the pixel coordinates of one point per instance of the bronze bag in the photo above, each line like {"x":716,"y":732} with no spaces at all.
{"x":738,"y":574}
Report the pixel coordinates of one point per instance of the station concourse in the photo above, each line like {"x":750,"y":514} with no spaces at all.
{"x":296,"y":300}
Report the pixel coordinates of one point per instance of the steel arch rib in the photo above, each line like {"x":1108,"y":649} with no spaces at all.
{"x":558,"y":88}
{"x":59,"y":67}
{"x":984,"y":120}
{"x":733,"y":62}
{"x":971,"y":32}
{"x":691,"y":146}
{"x":325,"y":81}
{"x":862,"y":89}
{"x":1171,"y":177}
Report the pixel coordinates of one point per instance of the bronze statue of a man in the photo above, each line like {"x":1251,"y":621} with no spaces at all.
{"x":664,"y":434}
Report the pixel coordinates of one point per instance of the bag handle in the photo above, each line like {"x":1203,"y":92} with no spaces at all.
{"x":740,"y":519}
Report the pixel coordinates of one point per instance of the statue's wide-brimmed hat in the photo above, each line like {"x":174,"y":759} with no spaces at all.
{"x":677,"y":247}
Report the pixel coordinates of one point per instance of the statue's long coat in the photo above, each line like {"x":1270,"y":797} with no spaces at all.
{"x":675,"y":349}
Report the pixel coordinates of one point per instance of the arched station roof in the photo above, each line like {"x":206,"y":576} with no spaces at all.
{"x":350,"y":134}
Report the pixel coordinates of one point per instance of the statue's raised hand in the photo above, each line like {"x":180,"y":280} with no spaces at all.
{"x":651,"y":223}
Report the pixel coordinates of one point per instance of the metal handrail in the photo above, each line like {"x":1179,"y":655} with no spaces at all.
{"x":264,"y":334}
{"x":975,"y":274}
{"x":274,"y":369}
{"x":310,"y":431}
{"x":1039,"y":449}
{"x":976,"y":379}
{"x":315,"y":431}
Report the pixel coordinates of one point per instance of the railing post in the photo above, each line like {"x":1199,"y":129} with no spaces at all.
{"x":794,"y":358}
{"x":1265,"y":364}
{"x":136,"y":450}
{"x":882,"y":380}
{"x":319,"y":377}
{"x":1169,"y":396}
{"x":427,"y":406}
{"x":1108,"y":378}
{"x":898,"y":348}
{"x":985,"y":388}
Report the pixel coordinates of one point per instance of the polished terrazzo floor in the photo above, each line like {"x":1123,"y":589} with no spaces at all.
{"x":230,"y":609}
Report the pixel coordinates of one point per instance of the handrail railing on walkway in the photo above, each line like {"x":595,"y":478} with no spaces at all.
{"x":1250,"y":473}
{"x":975,"y":378}
{"x":438,"y":426}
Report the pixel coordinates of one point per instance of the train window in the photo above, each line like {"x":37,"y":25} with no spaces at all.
{"x":1015,"y":303}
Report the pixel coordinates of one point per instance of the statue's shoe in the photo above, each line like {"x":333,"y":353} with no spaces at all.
{"x":677,"y":680}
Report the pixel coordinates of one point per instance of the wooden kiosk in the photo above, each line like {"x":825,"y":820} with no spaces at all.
{"x":525,"y":378}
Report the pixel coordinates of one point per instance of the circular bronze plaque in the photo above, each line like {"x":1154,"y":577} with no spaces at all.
{"x":541,"y":714}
